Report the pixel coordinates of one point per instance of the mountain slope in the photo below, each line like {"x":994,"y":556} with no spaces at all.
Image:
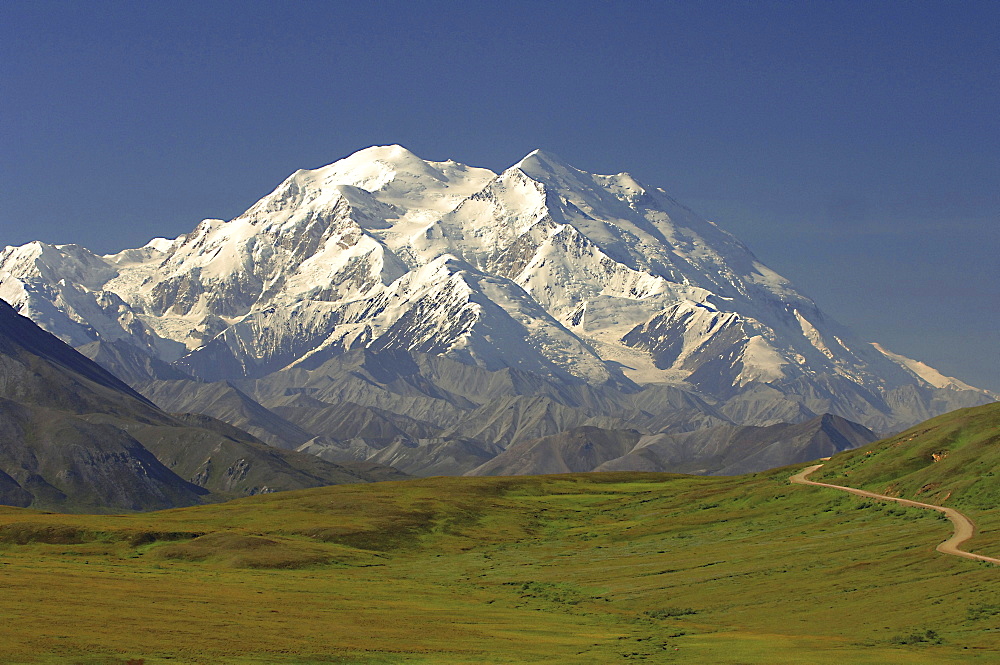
{"x":130,"y":364}
{"x":951,"y":460}
{"x":52,"y":457}
{"x":54,"y":460}
{"x":235,"y":464}
{"x":544,"y":270}
{"x":733,"y":450}
{"x":76,"y":438}
{"x":719,"y":450}
{"x":222,"y":400}
{"x":573,"y":450}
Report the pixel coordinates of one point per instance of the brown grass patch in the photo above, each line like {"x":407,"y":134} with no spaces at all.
{"x":23,"y":533}
{"x":240,"y":550}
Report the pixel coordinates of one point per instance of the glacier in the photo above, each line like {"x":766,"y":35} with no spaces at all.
{"x":543,"y":269}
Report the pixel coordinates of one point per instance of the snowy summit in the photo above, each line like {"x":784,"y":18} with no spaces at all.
{"x":544,"y":268}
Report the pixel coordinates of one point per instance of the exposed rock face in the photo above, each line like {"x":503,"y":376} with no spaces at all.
{"x":594,"y":292}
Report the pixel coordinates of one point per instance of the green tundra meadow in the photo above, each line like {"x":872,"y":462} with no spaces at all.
{"x":583,"y":568}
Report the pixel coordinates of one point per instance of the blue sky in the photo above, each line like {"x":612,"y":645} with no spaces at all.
{"x":854,"y":146}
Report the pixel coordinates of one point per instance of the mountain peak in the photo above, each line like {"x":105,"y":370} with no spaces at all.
{"x":387,"y":153}
{"x":384,"y":159}
{"x":543,"y":160}
{"x":545,"y":268}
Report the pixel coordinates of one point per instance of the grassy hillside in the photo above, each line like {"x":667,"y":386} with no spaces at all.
{"x":951,"y":460}
{"x":596,"y":568}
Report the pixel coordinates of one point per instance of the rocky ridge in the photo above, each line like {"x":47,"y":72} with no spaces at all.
{"x":585,"y":299}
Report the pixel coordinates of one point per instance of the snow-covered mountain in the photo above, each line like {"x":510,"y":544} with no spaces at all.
{"x":543,"y":268}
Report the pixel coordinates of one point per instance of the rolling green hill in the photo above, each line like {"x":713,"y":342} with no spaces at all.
{"x":952,"y":460}
{"x":580,"y":568}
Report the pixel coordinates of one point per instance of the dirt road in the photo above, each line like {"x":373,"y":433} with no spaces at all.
{"x":964,"y":527}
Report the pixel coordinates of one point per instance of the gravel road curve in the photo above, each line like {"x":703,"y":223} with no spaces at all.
{"x":964,"y":527}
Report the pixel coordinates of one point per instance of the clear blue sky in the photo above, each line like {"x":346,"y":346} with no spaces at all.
{"x":854,"y":146}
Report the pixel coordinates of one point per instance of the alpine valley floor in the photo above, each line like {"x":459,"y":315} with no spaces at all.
{"x":579,"y":568}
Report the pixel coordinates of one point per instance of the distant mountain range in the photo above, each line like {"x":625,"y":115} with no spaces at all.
{"x":432,"y":315}
{"x":719,"y":450}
